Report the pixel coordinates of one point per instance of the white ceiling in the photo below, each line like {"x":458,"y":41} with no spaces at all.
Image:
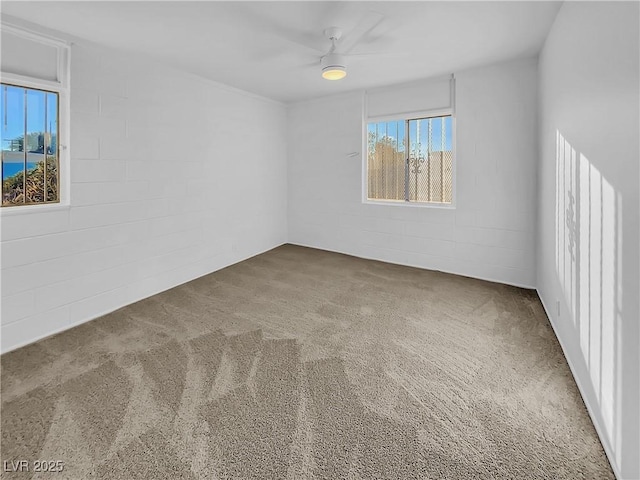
{"x":274,"y":48}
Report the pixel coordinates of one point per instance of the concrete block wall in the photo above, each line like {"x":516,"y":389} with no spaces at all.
{"x":490,"y":232}
{"x":588,"y":234}
{"x":171,"y":177}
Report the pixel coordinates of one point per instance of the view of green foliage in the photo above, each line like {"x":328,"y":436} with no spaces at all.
{"x":17,"y":190}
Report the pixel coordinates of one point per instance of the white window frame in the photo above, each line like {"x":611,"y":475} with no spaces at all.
{"x":405,"y":117}
{"x":61,"y":87}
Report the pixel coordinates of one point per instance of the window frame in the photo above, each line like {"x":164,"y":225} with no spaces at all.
{"x":61,"y":88}
{"x":405,"y":117}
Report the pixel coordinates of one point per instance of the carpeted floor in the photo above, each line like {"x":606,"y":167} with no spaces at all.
{"x":299,"y":364}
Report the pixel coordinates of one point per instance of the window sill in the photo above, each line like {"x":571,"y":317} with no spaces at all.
{"x":401,"y":203}
{"x":27,"y":209}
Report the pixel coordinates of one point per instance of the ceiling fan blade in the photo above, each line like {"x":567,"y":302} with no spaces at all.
{"x":271,"y":54}
{"x":304,"y":39}
{"x":370,"y":21}
{"x":373,"y":54}
{"x":310,"y":64}
{"x":377,"y":54}
{"x":275,"y":28}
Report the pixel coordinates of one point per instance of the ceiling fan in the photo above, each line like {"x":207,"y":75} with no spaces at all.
{"x":334,"y":66}
{"x":333,"y":63}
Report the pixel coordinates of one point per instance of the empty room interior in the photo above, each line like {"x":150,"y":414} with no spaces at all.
{"x":320,"y":240}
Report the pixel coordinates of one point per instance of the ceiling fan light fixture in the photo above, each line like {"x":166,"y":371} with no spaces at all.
{"x":334,"y":73}
{"x":333,"y":67}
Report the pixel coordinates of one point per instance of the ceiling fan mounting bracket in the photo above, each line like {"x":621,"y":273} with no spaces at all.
{"x":333,"y":33}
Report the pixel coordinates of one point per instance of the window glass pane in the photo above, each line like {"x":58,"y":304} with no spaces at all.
{"x":427,"y":176}
{"x":36,"y":140}
{"x":51,"y":134}
{"x":13,"y":159}
{"x":430,"y":160}
{"x":386,"y":160}
{"x":29,"y":136}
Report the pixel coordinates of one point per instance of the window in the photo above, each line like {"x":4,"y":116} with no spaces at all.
{"x":30,"y":158}
{"x":34,"y":120}
{"x":410,"y":160}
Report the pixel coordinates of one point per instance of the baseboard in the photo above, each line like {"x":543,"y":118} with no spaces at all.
{"x":107,"y":312}
{"x":594,"y":419}
{"x":477,"y":277}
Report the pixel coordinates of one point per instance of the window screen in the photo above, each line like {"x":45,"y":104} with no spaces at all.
{"x":410,"y":160}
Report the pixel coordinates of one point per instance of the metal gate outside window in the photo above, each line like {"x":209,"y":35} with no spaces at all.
{"x":410,"y":160}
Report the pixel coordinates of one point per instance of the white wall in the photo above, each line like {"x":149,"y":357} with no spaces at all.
{"x":172,"y":177}
{"x":490,"y":233}
{"x":588,"y":238}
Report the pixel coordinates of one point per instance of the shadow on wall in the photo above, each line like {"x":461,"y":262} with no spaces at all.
{"x":589,"y":268}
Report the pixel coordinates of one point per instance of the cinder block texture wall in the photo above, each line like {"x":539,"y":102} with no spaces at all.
{"x":588,"y":228}
{"x":491,"y":232}
{"x":172,"y":177}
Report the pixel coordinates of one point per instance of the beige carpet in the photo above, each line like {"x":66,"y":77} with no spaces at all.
{"x":299,"y":364}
